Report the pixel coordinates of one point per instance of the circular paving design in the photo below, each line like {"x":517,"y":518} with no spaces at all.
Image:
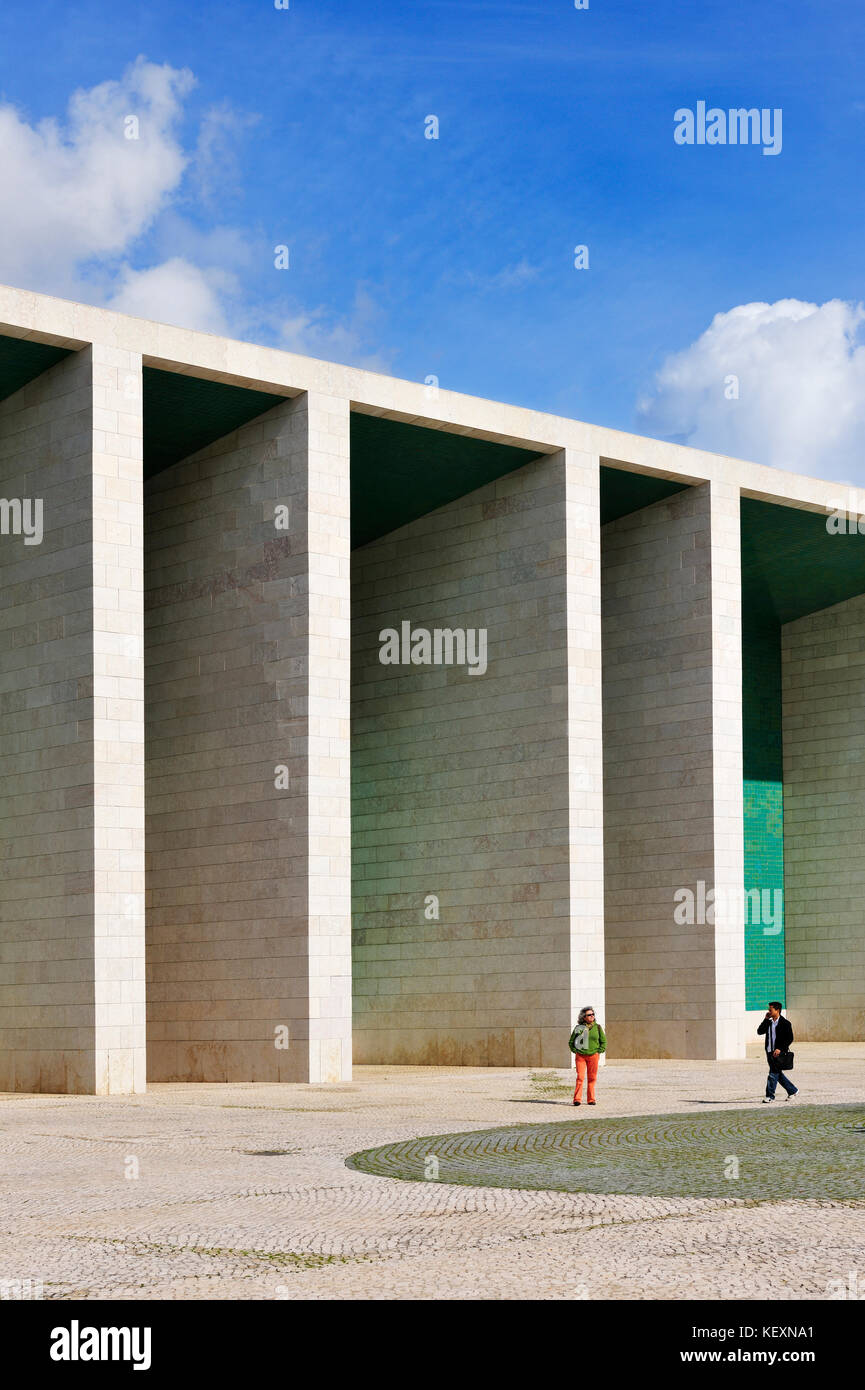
{"x":767,"y":1154}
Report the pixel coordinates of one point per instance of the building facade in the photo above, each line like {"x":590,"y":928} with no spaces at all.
{"x":345,"y":715}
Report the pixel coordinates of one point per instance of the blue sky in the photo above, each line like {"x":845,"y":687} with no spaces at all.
{"x":455,"y":256}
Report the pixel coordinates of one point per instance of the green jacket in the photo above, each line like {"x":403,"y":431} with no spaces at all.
{"x":597,"y":1040}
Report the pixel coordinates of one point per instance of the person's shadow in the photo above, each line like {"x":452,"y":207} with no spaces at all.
{"x":534,"y":1100}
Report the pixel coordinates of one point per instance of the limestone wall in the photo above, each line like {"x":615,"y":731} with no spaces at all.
{"x":461,"y":790}
{"x":823,"y":692}
{"x":247,"y":672}
{"x":673,"y":775}
{"x":71,"y":751}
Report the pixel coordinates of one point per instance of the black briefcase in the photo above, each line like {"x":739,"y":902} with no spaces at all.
{"x":782,"y":1063}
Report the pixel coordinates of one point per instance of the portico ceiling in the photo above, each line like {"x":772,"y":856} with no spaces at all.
{"x":23,"y":359}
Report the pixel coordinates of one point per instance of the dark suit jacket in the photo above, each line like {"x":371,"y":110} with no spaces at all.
{"x":783,"y":1034}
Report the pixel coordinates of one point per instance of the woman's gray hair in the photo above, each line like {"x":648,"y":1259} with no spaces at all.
{"x":587,"y":1010}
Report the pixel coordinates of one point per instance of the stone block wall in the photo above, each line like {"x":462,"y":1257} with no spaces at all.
{"x":71,"y":753}
{"x":247,"y":674}
{"x":823,"y":693}
{"x":673,"y":776}
{"x":471,"y":934}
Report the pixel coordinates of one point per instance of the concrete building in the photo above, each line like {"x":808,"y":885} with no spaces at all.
{"x":250,"y":821}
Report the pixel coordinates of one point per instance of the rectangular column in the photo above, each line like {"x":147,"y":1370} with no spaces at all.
{"x":673,"y":777}
{"x":324,"y":421}
{"x":728,"y":820}
{"x":248,"y":759}
{"x":71,"y":755}
{"x":585,"y":741}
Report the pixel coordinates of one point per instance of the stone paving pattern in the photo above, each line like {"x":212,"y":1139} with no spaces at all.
{"x":243,"y":1191}
{"x":821,"y":1148}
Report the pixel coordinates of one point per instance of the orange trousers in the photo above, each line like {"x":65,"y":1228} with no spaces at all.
{"x":587,"y":1067}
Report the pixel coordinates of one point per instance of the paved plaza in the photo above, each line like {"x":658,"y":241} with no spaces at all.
{"x":251,"y":1191}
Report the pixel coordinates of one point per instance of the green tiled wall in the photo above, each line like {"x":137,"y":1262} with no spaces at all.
{"x":764,"y":805}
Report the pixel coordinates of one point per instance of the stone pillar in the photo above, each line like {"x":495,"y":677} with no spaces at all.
{"x":585,"y":752}
{"x":728,"y":812}
{"x":247,"y":593}
{"x":673,"y":777}
{"x":324,"y":428}
{"x":71,"y":756}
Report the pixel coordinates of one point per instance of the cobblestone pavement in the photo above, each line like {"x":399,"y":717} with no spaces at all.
{"x":653,"y":1155}
{"x":197,"y":1192}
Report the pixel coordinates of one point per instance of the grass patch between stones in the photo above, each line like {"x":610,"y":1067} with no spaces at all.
{"x":770,"y":1153}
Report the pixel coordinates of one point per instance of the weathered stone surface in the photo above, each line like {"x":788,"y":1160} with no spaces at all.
{"x":243,"y":1191}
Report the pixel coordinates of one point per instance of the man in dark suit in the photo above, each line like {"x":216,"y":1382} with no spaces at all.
{"x":778,"y":1032}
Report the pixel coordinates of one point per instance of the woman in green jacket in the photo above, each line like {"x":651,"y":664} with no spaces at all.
{"x":587,"y":1042}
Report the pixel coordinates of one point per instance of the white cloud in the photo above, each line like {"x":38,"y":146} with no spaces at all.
{"x":510,"y":277}
{"x":78,"y":195}
{"x":80,"y":189}
{"x":175,"y":292}
{"x":216,"y":165}
{"x":800,"y":372}
{"x":514,"y":276}
{"x":91,"y":214}
{"x":314,"y":333}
